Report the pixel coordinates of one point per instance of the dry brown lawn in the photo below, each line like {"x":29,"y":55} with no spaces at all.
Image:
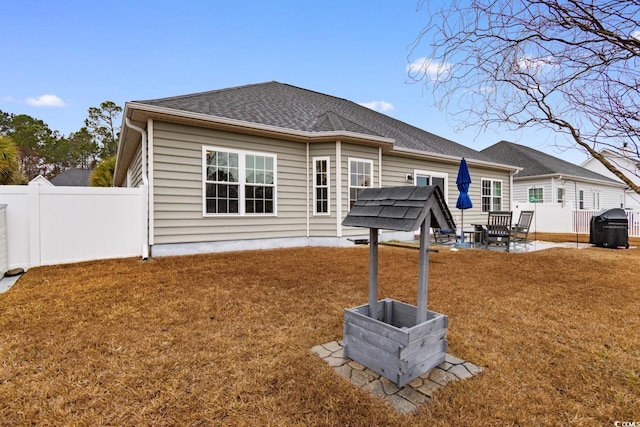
{"x":224,"y":339}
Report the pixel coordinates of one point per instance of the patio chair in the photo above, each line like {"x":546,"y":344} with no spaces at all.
{"x":444,"y":235}
{"x":498,"y":228}
{"x":520,"y":231}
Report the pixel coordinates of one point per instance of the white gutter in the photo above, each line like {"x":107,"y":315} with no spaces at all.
{"x":573,"y":178}
{"x":307,"y":135}
{"x":455,"y":159}
{"x":145,"y":184}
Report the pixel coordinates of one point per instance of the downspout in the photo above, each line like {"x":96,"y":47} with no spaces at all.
{"x":309,"y":165}
{"x":511,"y":190}
{"x":339,"y":189}
{"x":379,"y":167}
{"x":145,"y":184}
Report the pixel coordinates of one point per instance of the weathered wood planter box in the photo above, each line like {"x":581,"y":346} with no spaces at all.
{"x":391,"y":343}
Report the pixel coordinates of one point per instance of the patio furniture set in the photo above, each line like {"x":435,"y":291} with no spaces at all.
{"x":498,"y":230}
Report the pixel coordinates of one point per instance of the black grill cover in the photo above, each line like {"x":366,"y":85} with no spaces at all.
{"x":609,"y":229}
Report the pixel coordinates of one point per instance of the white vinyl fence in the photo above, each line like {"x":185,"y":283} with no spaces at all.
{"x":54,"y":225}
{"x":554,"y":218}
{"x":582,"y":221}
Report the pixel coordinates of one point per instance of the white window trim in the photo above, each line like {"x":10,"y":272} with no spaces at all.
{"x":432,"y":174}
{"x":241,"y":182}
{"x":534,"y":187}
{"x":356,"y":159}
{"x":564,"y":196}
{"x":492,"y":196}
{"x":315,"y":187}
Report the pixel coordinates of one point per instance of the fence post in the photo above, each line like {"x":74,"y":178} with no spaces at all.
{"x":34,"y":224}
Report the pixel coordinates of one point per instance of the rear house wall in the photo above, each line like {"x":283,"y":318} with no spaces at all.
{"x":177,"y":187}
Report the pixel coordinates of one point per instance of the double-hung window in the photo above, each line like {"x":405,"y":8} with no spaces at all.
{"x":360,"y":177}
{"x":238,"y":182}
{"x":491,"y":195}
{"x":536,"y":195}
{"x":321,"y":185}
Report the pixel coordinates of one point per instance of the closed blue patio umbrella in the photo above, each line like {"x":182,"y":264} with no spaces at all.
{"x":463,"y":181}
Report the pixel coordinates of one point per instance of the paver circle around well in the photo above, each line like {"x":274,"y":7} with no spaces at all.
{"x":403,"y":399}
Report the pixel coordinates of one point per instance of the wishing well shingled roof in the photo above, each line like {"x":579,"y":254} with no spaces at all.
{"x":399,"y":208}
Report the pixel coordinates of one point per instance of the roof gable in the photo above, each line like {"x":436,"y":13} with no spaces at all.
{"x":536,"y":163}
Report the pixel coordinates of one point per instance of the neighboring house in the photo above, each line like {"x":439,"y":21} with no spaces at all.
{"x":628,"y":166}
{"x":40,"y":180}
{"x":548,"y":179}
{"x":72,"y":178}
{"x":274,"y":165}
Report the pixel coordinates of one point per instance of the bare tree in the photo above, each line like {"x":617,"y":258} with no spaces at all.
{"x":571,"y":65}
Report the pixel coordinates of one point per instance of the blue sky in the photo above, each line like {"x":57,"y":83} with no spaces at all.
{"x":62,"y":57}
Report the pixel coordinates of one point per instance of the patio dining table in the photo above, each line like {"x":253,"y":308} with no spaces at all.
{"x":474,"y":234}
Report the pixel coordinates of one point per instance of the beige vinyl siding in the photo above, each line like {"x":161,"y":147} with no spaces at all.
{"x":178,"y":187}
{"x":135,"y":168}
{"x":475,"y":215}
{"x":352,"y":151}
{"x":323,"y":225}
{"x":395,"y":168}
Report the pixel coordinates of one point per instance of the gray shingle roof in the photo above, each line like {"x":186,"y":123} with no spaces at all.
{"x":72,"y":178}
{"x":537,"y":163}
{"x":399,"y":208}
{"x":290,"y":107}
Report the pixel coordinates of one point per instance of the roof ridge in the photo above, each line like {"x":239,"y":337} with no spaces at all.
{"x":207,"y":92}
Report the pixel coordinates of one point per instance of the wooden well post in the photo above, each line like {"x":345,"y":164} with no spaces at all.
{"x":395,"y":339}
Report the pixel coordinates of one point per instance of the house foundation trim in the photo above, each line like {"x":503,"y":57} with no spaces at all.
{"x":175,"y":249}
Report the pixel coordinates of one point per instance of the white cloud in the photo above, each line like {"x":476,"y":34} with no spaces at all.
{"x":381,"y":106}
{"x":636,"y":35}
{"x":46,"y":101}
{"x":432,"y":70}
{"x":532,"y":64}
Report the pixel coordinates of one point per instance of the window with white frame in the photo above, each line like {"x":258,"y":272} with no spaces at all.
{"x":238,"y":182}
{"x":321,"y":185}
{"x":581,"y":199}
{"x":360,"y":177}
{"x":491,"y":195}
{"x":561,"y":195}
{"x":536,"y":195}
{"x":423,"y":178}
